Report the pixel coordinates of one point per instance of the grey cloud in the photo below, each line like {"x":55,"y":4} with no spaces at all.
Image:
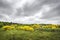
{"x":30,"y":10}
{"x":54,"y":12}
{"x":51,"y":1}
{"x":4,"y":4}
{"x":5,"y":8}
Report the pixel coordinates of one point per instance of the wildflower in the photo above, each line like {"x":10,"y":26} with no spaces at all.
{"x":27,"y":28}
{"x":36,"y":26}
{"x":53,"y":27}
{"x":20,"y":28}
{"x":8,"y":27}
{"x":45,"y":27}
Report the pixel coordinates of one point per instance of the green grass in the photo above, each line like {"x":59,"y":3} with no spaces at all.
{"x":28,"y":35}
{"x":38,"y":34}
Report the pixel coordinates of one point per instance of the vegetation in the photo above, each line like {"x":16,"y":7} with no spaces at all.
{"x":14,"y":31}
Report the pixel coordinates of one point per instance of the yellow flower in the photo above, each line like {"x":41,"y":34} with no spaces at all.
{"x":28,"y":28}
{"x":7,"y":27}
{"x":36,"y":26}
{"x":31,"y":29}
{"x":44,"y":27}
{"x":53,"y":27}
{"x":21,"y":28}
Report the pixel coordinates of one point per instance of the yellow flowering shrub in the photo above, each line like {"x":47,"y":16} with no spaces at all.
{"x":28,"y":28}
{"x":36,"y":26}
{"x":8,"y":27}
{"x":20,"y":28}
{"x":46,"y":26}
{"x":53,"y":27}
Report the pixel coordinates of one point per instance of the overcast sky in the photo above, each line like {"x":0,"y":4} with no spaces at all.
{"x":30,"y":11}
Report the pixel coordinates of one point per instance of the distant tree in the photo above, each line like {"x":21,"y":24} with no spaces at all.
{"x":1,"y":24}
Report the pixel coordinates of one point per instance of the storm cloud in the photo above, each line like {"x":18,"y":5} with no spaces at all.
{"x":30,"y":11}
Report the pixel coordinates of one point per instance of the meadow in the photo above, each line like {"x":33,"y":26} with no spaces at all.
{"x":14,"y":31}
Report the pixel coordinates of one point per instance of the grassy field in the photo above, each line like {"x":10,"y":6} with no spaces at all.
{"x":29,"y":32}
{"x":27,"y":35}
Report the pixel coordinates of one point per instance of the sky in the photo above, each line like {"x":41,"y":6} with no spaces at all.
{"x":30,"y":11}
